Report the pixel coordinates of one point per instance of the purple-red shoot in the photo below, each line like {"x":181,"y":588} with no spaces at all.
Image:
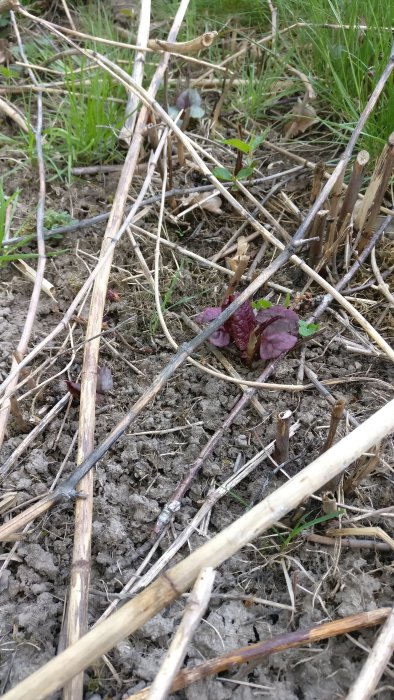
{"x":271,"y":331}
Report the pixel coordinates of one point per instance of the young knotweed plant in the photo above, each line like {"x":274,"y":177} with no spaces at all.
{"x":245,"y":149}
{"x":189,"y":102}
{"x":270,"y":331}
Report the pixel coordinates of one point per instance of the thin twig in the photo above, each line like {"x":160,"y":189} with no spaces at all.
{"x":382,"y":285}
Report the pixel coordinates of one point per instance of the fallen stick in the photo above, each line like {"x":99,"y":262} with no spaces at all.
{"x":259,"y":651}
{"x":78,"y":597}
{"x":54,"y":674}
{"x":184,"y":47}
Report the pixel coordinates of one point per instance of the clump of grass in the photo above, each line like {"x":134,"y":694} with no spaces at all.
{"x":87,"y":126}
{"x":343,"y":63}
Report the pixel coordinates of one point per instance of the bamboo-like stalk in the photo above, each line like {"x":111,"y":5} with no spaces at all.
{"x":127,"y":129}
{"x":195,"y":608}
{"x":54,"y":674}
{"x":333,"y":211}
{"x":336,"y":415}
{"x":377,"y":661}
{"x":258,"y":652}
{"x":318,"y":175}
{"x":77,"y":605}
{"x":185,"y":48}
{"x":366,"y":216}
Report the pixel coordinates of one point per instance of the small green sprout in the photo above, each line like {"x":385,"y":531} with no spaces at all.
{"x":307,"y":329}
{"x":247,"y":148}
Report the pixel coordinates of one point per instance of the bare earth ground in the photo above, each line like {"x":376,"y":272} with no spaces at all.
{"x":138,"y":476}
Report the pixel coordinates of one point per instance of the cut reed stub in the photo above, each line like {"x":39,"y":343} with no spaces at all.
{"x":367,"y":213}
{"x":318,"y":234}
{"x":337,"y":413}
{"x":281,"y":451}
{"x":317,"y":181}
{"x":353,"y":188}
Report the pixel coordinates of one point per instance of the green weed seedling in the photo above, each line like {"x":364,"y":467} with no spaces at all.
{"x":244,"y":148}
{"x":304,"y":524}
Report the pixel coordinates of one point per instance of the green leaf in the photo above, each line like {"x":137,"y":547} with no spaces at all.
{"x":306,"y":329}
{"x":5,"y":72}
{"x":256,"y":141}
{"x":305,"y":525}
{"x":261,"y":304}
{"x":239,"y":144}
{"x":244,"y":173}
{"x":287,"y":300}
{"x":222,"y":173}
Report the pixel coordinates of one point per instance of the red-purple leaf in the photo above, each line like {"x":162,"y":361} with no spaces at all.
{"x":220,"y":338}
{"x":73,"y":388}
{"x":209,"y":314}
{"x":113,"y":295}
{"x":188,"y":98}
{"x":241,"y":324}
{"x":273,"y":344}
{"x":281,"y":334}
{"x":274,"y":330}
{"x":287,"y":318}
